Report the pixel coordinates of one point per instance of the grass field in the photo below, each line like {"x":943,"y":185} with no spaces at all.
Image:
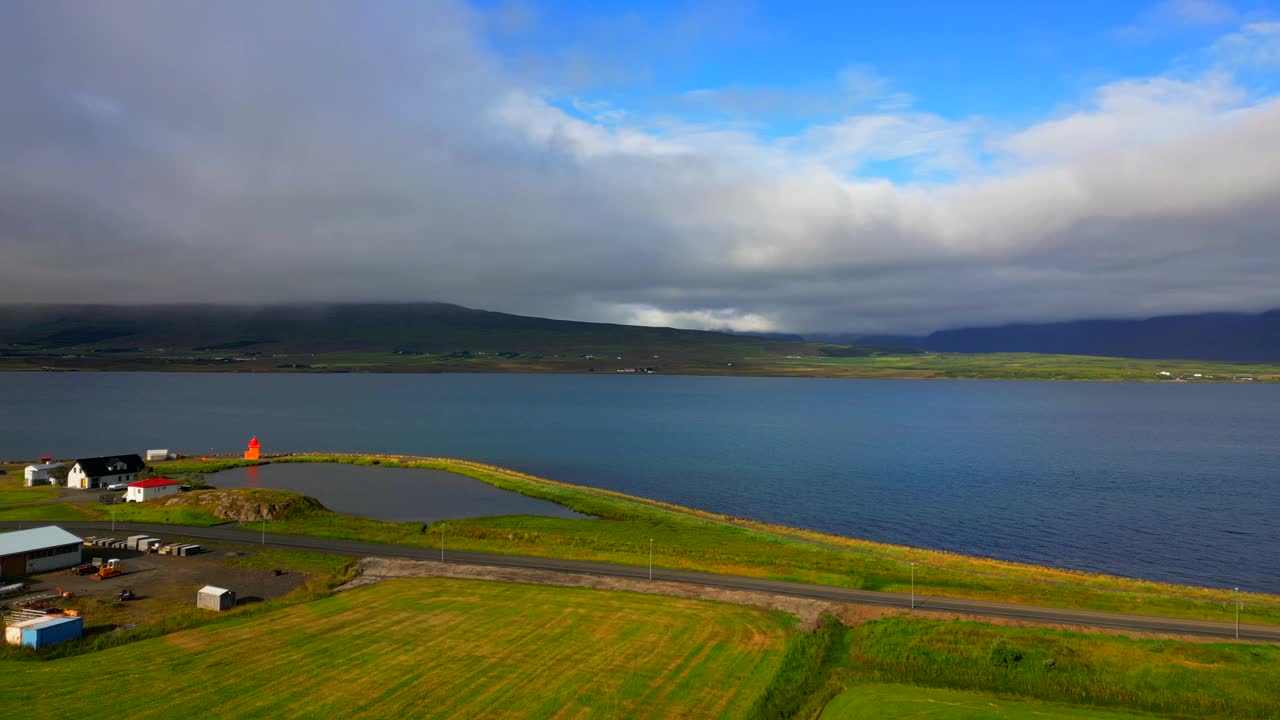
{"x":438,"y":648}
{"x":904,"y":702}
{"x":1228,"y":681}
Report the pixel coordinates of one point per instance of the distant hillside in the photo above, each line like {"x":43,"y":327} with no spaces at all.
{"x":410,"y":328}
{"x":1213,"y":336}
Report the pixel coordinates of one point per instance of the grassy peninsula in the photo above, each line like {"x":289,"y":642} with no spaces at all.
{"x":686,"y":539}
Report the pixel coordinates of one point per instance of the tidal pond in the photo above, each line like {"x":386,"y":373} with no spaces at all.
{"x":397,"y":494}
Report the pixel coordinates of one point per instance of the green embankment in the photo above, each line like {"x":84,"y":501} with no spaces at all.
{"x":438,"y":648}
{"x":1226,"y":681}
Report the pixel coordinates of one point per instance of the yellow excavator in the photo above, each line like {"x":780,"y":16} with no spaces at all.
{"x":111,"y":569}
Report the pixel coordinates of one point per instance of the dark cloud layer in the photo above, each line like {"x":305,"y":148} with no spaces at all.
{"x":158,"y":151}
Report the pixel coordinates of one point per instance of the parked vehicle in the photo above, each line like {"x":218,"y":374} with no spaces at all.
{"x":110,"y":570}
{"x":85,"y":569}
{"x":117,"y":487}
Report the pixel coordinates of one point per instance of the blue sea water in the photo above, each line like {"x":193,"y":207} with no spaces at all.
{"x":1175,"y":482}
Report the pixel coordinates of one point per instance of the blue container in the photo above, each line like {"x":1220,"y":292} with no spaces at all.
{"x":52,"y":632}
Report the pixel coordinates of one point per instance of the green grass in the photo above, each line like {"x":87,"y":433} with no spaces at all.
{"x":1010,"y":366}
{"x":196,"y":466}
{"x":903,"y":702}
{"x":1231,"y":681}
{"x":302,"y":561}
{"x":438,"y":648}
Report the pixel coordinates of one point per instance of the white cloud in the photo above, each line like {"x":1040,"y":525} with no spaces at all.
{"x":1255,"y":47}
{"x":713,"y":319}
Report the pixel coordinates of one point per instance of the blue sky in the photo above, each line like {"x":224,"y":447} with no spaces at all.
{"x":822,"y":166}
{"x":1008,"y":62}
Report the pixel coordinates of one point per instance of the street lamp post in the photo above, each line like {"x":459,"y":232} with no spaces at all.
{"x":650,"y":558}
{"x":264,"y":529}
{"x":913,"y":586}
{"x":1237,"y":613}
{"x":441,"y":542}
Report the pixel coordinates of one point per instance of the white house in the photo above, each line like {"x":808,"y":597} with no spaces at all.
{"x":26,"y":552}
{"x":38,"y":474}
{"x":145,"y":490}
{"x":157,"y":455}
{"x":99,"y":472}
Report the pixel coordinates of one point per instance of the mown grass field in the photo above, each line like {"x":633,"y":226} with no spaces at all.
{"x":1227,"y":681}
{"x":429,"y":648}
{"x":904,"y":702}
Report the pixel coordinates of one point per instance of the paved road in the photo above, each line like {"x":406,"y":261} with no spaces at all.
{"x":1092,"y":618}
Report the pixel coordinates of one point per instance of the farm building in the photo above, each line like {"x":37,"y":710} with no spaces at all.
{"x":25,"y":552}
{"x":99,"y":472}
{"x":157,"y":455}
{"x":43,"y":632}
{"x":144,"y":490}
{"x":38,"y":474}
{"x":215,"y":598}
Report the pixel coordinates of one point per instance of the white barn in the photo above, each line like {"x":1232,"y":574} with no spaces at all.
{"x":26,"y":552}
{"x":144,"y":490}
{"x":99,"y":472}
{"x":38,"y":474}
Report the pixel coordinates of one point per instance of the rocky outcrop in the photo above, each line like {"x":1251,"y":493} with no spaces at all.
{"x":247,"y":504}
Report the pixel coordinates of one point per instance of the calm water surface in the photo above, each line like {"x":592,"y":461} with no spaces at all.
{"x":390,"y":493}
{"x":1167,"y":482}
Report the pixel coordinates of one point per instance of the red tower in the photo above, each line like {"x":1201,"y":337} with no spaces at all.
{"x":255,"y":448}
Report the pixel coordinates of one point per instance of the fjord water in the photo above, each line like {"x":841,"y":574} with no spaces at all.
{"x":1175,"y":482}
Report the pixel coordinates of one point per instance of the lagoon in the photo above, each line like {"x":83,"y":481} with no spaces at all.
{"x":395,"y":494}
{"x":1172,"y":482}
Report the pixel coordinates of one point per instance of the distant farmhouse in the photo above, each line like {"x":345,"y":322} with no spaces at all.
{"x":99,"y":472}
{"x":39,"y":474}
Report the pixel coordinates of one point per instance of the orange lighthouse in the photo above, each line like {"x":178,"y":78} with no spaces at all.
{"x":254,"y":449}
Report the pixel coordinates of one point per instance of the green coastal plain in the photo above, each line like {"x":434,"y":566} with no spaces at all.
{"x":471,"y":648}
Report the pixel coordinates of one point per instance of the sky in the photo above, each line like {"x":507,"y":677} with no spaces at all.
{"x":788,"y":167}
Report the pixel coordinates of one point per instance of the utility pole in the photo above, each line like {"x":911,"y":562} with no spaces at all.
{"x":1237,"y":613}
{"x":650,"y":558}
{"x":264,"y":528}
{"x":441,"y":542}
{"x":913,"y":586}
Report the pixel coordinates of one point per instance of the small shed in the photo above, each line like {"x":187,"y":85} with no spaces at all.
{"x":144,"y":490}
{"x":38,"y":474}
{"x":52,"y":631}
{"x":157,"y":455}
{"x":215,"y":598}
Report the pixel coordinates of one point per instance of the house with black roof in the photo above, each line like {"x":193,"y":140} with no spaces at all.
{"x":99,"y":472}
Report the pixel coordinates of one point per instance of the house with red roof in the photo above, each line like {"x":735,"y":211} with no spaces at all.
{"x":145,"y":490}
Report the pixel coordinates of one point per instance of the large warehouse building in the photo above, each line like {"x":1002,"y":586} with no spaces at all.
{"x":26,"y":552}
